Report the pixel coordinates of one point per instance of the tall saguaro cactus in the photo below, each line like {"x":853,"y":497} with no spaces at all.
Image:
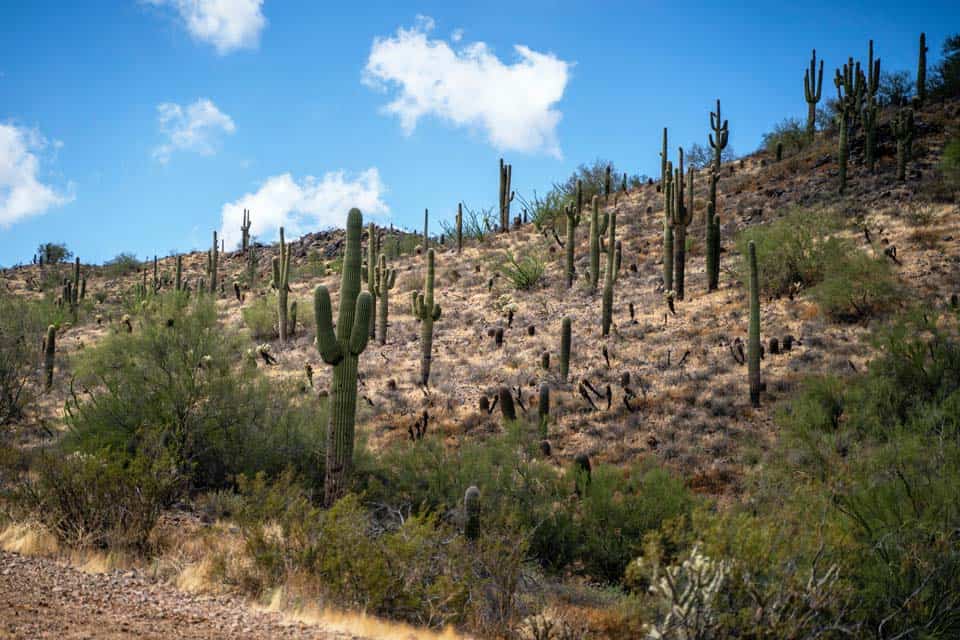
{"x":213,"y":259}
{"x":871,"y":110}
{"x":245,"y":231}
{"x":668,"y":204}
{"x":713,"y":248}
{"x":812,"y":89}
{"x":178,"y":282}
{"x":565,"y":337}
{"x":281,"y":282}
{"x":384,"y":280}
{"x":664,"y":174}
{"x":612,"y":270}
{"x":598,"y":227}
{"x":49,"y":352}
{"x":459,"y":227}
{"x":902,"y":127}
{"x":922,"y":71}
{"x":427,"y":312}
{"x":342,"y":350}
{"x":506,"y":195}
{"x":373,"y":249}
{"x":753,"y":346}
{"x":573,"y":221}
{"x":718,"y":139}
{"x":849,"y":85}
{"x":426,"y":229}
{"x":682,"y":216}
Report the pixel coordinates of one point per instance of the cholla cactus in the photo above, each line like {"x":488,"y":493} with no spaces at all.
{"x":687,"y":593}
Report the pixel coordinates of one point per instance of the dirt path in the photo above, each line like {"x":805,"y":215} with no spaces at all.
{"x":41,"y":598}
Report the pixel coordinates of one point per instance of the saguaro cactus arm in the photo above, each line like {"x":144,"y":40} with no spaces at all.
{"x":327,"y":343}
{"x":360,"y":334}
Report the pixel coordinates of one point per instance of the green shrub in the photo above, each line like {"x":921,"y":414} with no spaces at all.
{"x":23,"y":325}
{"x":54,"y":252}
{"x":261,"y":318}
{"x":524,"y":273}
{"x":791,"y":133}
{"x":950,"y":162}
{"x":123,"y":264}
{"x":855,"y":286}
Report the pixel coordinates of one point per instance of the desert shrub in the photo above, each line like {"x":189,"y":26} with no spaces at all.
{"x":950,"y":162}
{"x":54,"y":252}
{"x":547,"y":213}
{"x":698,"y":156}
{"x":945,"y":79}
{"x":592,"y":177}
{"x":122,"y":264}
{"x":261,"y":317}
{"x":896,"y":87}
{"x":176,"y":383}
{"x":523,"y":273}
{"x":23,"y":325}
{"x":791,"y":133}
{"x":477,"y":223}
{"x":855,"y":285}
{"x":791,"y":250}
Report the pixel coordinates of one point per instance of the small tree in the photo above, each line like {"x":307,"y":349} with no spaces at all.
{"x":54,"y":253}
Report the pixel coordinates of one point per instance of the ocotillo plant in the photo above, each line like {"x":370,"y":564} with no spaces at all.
{"x":922,"y":71}
{"x":459,"y":227}
{"x":281,"y":282}
{"x":598,"y":227}
{"x":565,"y":336}
{"x":373,"y":249}
{"x":428,"y":313}
{"x":682,"y":216}
{"x":613,"y":268}
{"x":753,"y":346}
{"x":573,"y":220}
{"x":212,"y":264}
{"x":342,"y":350}
{"x":812,"y":87}
{"x":902,"y":127}
{"x":506,"y":195}
{"x":49,"y":351}
{"x":668,"y":204}
{"x":245,"y":231}
{"x":384,"y":280}
{"x":471,"y":508}
{"x":713,"y":248}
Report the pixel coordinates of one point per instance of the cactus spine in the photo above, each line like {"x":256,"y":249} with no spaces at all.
{"x":565,"y":349}
{"x":471,"y":508}
{"x":212,"y":263}
{"x":753,"y":347}
{"x":613,"y":268}
{"x":245,"y":231}
{"x":49,"y":351}
{"x":902,"y":126}
{"x":506,"y":195}
{"x":922,"y":71}
{"x":573,"y":220}
{"x":682,"y":216}
{"x":281,"y":282}
{"x":384,"y":280}
{"x":812,"y":88}
{"x":459,"y":227}
{"x":428,"y":313}
{"x":342,"y":350}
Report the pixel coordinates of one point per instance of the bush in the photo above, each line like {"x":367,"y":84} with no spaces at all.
{"x":54,"y":253}
{"x":855,"y":286}
{"x":950,"y":162}
{"x":122,"y":264}
{"x":524,"y":273}
{"x":261,"y":317}
{"x":896,"y":88}
{"x":175,"y":384}
{"x":791,"y":133}
{"x":23,"y":326}
{"x":477,"y":223}
{"x":945,"y":80}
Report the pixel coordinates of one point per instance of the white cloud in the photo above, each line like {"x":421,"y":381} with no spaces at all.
{"x":21,"y":193}
{"x":226,"y":24}
{"x":195,"y":127}
{"x":469,"y":86}
{"x":303,"y":205}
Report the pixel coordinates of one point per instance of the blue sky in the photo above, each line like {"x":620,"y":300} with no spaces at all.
{"x":141,"y":126}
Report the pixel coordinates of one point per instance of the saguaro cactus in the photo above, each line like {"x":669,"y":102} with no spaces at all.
{"x":718,"y":139}
{"x":607,"y":185}
{"x":459,"y":227}
{"x":668,"y":204}
{"x":49,"y":352}
{"x":543,"y":408}
{"x":902,"y":126}
{"x":573,"y":220}
{"x":384,"y":280}
{"x":598,"y":227}
{"x":812,"y":88}
{"x":565,"y":331}
{"x":178,"y":281}
{"x":849,"y":85}
{"x":428,"y":313}
{"x":373,"y":249}
{"x":612,"y":271}
{"x":664,"y":173}
{"x":471,"y":509}
{"x":212,"y":264}
{"x":753,"y":346}
{"x":871,"y":110}
{"x":713,"y":248}
{"x":506,"y":195}
{"x":426,"y":229}
{"x":922,"y":70}
{"x":245,"y":231}
{"x":281,"y":282}
{"x":682,"y":216}
{"x":342,"y":350}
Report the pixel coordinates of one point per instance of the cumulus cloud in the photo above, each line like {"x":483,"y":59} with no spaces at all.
{"x":195,"y":127}
{"x":22,"y":194}
{"x":228,"y":25}
{"x":303,"y":205}
{"x":469,"y":86}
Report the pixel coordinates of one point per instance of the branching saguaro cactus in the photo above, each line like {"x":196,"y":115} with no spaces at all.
{"x":612,"y":271}
{"x":812,"y":88}
{"x":713,"y":248}
{"x":506,"y":195}
{"x":753,"y":346}
{"x":668,"y":204}
{"x":245,"y":231}
{"x":922,"y":71}
{"x":281,"y":282}
{"x":682,"y":216}
{"x":849,"y":85}
{"x":598,"y":227}
{"x":902,"y":127}
{"x":49,"y":352}
{"x":427,"y":312}
{"x":342,"y":350}
{"x":565,"y":331}
{"x":718,"y":139}
{"x":459,"y":227}
{"x":213,"y":258}
{"x":871,"y":110}
{"x":384,"y":280}
{"x":573,"y":221}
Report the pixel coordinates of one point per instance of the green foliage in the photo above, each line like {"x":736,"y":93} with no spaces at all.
{"x":524,"y":273}
{"x":855,"y":285}
{"x":22,"y":327}
{"x":945,"y":81}
{"x":547,"y":213}
{"x":950,"y":161}
{"x":790,"y":132}
{"x":54,"y":252}
{"x":260,"y":316}
{"x":477,"y":223}
{"x":173,"y":385}
{"x":122,"y":264}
